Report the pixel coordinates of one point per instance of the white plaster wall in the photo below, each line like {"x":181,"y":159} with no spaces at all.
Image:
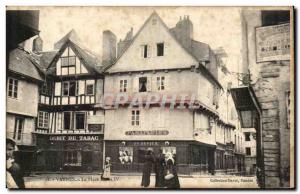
{"x":179,"y":123}
{"x":27,"y":101}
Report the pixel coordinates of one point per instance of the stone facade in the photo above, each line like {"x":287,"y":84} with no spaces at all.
{"x":271,"y":82}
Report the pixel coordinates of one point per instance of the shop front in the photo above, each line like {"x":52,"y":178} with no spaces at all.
{"x":220,"y":159}
{"x":76,"y":152}
{"x":128,"y":156}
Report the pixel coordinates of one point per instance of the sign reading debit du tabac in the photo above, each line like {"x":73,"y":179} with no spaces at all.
{"x":74,"y":138}
{"x":273,"y":43}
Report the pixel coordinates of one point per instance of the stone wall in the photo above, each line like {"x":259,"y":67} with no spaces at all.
{"x":270,"y":89}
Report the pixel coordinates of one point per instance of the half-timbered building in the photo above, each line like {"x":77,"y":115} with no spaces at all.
{"x":70,"y":121}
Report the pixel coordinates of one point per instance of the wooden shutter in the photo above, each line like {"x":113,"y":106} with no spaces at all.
{"x":57,"y":89}
{"x":149,"y":50}
{"x":142,"y":51}
{"x":81,"y":88}
{"x":149,"y":83}
{"x":135,"y":81}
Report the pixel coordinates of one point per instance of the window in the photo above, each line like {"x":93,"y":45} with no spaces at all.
{"x":18,"y":129}
{"x":13,"y":88}
{"x":69,"y":88}
{"x":43,"y":119}
{"x":67,"y":120}
{"x":135,"y":118}
{"x":68,"y":60}
{"x":248,"y":151}
{"x":123,"y":85}
{"x":160,"y":83}
{"x":90,"y":89}
{"x":72,"y":88}
{"x":72,"y":158}
{"x":66,"y":89}
{"x":143,"y":84}
{"x":145,"y":51}
{"x":80,"y":120}
{"x":160,"y":49}
{"x":247,"y":136}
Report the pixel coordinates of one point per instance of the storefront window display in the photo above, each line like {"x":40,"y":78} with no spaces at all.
{"x":171,"y":150}
{"x":72,"y":158}
{"x":126,"y":155}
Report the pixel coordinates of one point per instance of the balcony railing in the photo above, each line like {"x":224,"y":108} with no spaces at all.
{"x":73,"y":100}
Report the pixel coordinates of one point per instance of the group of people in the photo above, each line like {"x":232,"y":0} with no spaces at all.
{"x":164,"y":167}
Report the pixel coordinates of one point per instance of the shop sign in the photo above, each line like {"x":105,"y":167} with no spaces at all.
{"x":150,"y":132}
{"x":74,"y":138}
{"x":273,"y":43}
{"x":146,"y":143}
{"x":96,"y":128}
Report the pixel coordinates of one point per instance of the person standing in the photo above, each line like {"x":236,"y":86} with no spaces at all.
{"x":14,"y":174}
{"x":106,"y":171}
{"x":159,"y":169}
{"x":171,"y":178}
{"x":149,"y":159}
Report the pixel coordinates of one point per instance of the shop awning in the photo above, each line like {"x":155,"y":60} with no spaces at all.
{"x":246,"y":104}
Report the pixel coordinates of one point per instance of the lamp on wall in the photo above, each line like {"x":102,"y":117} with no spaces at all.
{"x":247,"y":118}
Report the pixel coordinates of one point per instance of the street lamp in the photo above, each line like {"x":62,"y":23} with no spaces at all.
{"x":247,"y":118}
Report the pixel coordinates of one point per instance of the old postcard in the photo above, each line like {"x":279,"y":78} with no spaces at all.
{"x":150,"y":97}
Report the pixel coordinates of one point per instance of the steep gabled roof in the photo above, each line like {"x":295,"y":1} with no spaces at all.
{"x":89,"y":59}
{"x":137,"y":34}
{"x":70,"y":36}
{"x":23,"y":63}
{"x":200,"y":51}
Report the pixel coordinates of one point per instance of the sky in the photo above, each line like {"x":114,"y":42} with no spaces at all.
{"x":217,"y":26}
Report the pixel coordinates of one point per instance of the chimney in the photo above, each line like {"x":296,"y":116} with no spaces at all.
{"x":183,"y":31}
{"x":37,"y":45}
{"x":109,"y":47}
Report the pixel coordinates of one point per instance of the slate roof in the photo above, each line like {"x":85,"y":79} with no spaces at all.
{"x":200,"y":50}
{"x":23,"y":63}
{"x":45,"y":58}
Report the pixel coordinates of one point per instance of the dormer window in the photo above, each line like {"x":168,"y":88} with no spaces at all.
{"x":69,"y":60}
{"x":160,"y":49}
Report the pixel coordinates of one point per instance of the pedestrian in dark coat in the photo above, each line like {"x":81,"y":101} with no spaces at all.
{"x":160,"y":169}
{"x":149,"y":160}
{"x":13,"y":171}
{"x":173,"y":182}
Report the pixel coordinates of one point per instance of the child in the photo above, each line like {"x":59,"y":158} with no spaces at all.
{"x":106,"y":170}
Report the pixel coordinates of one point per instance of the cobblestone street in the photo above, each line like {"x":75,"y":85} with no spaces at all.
{"x":133,"y":181}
